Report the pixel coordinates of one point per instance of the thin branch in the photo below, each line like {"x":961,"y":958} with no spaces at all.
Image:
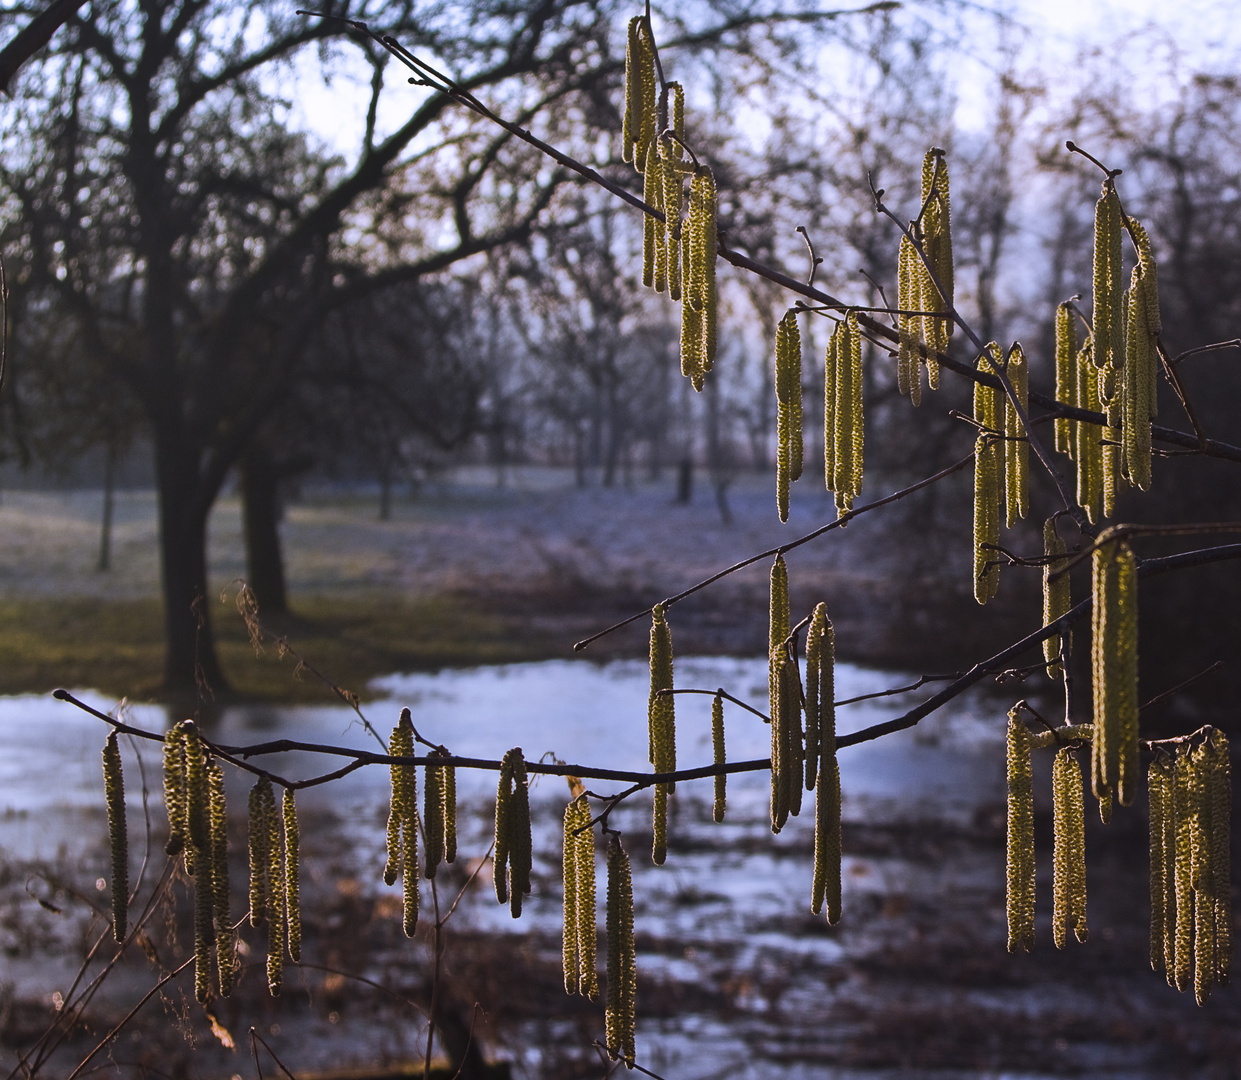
{"x":841,"y":521}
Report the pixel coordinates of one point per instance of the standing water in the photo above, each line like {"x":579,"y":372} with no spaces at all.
{"x":736,"y":977}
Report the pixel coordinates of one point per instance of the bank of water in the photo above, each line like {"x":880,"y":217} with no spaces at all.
{"x":738,"y":979}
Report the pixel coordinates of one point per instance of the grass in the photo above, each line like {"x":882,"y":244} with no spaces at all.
{"x":117,"y":646}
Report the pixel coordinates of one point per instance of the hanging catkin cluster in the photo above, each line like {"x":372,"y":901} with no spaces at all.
{"x":842,"y":413}
{"x":925,"y":284}
{"x":936,"y":272}
{"x":784,"y":694}
{"x":699,"y":301}
{"x":1190,"y":842}
{"x":821,"y":758}
{"x":274,"y":842}
{"x":1069,"y":849}
{"x":514,"y":852}
{"x":578,"y":935}
{"x":197,"y":825}
{"x":622,"y":963}
{"x":661,"y":725}
{"x":1114,"y":658}
{"x":789,"y":452}
{"x":1020,"y":894}
{"x":402,"y":839}
{"x":1057,"y":598}
{"x":118,"y":839}
{"x":439,"y":814}
{"x":678,"y":254}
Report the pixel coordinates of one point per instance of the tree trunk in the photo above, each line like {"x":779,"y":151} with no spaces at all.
{"x":190,"y":662}
{"x":260,"y":490}
{"x":105,"y":525}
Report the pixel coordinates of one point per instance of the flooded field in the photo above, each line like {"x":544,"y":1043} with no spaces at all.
{"x":735,"y":977}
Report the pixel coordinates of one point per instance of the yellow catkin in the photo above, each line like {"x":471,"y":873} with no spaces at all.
{"x":852,"y":358}
{"x":1219,"y":790}
{"x":986,"y":518}
{"x":622,"y":964}
{"x":1016,"y":446}
{"x":174,"y":789}
{"x":400,"y":744}
{"x":830,"y":374}
{"x":1115,"y":663}
{"x":718,"y":757}
{"x":654,"y":255}
{"x":118,"y":840}
{"x":1069,"y":849}
{"x":521,"y":851}
{"x":778,"y":632}
{"x":827,"y":847}
{"x":1114,"y":656}
{"x":410,"y":899}
{"x":788,"y":408}
{"x":1066,"y":374}
{"x":277,"y":928}
{"x":1202,"y":873}
{"x":937,"y":243}
{"x":908,"y":366}
{"x":672,"y":155}
{"x":221,"y":916}
{"x":262,"y":805}
{"x":433,"y":817}
{"x":846,"y":425}
{"x":632,"y":120}
{"x":586,"y":929}
{"x":661,"y":724}
{"x":1020,"y":895}
{"x":1108,"y":280}
{"x":503,"y":832}
{"x":195,"y":790}
{"x":699,"y":293}
{"x":569,"y":958}
{"x":579,"y":882}
{"x":292,"y":874}
{"x":448,"y":789}
{"x":1139,"y":386}
{"x":1157,"y":793}
{"x":1169,"y":869}
{"x":1056,"y":595}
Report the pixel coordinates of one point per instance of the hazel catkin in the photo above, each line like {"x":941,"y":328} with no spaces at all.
{"x":1069,"y":849}
{"x":622,"y":966}
{"x":292,"y":875}
{"x":1020,"y":875}
{"x":262,"y":806}
{"x":118,"y":840}
{"x":221,"y":917}
{"x":1056,"y":595}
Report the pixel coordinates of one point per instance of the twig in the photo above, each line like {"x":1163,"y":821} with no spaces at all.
{"x":844,"y":519}
{"x":1159,"y":699}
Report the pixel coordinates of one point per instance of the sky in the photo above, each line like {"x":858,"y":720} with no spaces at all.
{"x":1048,"y":34}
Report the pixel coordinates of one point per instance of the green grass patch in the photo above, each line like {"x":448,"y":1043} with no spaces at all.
{"x":117,"y":647}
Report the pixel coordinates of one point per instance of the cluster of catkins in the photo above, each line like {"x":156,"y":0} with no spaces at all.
{"x":678,"y":255}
